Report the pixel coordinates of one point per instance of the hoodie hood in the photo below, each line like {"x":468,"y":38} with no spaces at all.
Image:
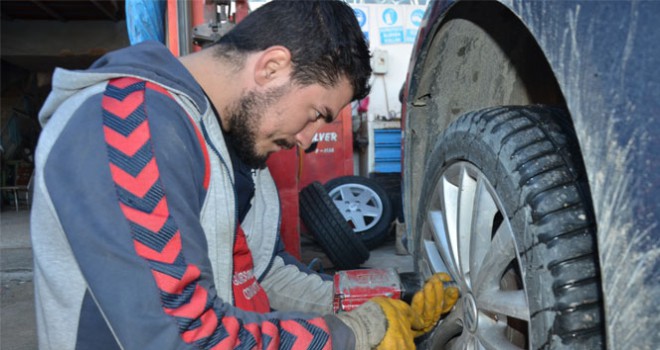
{"x":149,"y":60}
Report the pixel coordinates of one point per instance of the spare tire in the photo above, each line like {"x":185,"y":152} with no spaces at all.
{"x":322,"y":218}
{"x":365,"y":206}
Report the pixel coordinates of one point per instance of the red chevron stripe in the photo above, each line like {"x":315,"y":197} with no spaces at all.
{"x":173,"y":285}
{"x":194,"y":307}
{"x":303,"y":337}
{"x":209,"y":323}
{"x":270,"y":329}
{"x":169,"y":253}
{"x":320,"y":322}
{"x":256,"y":333}
{"x":232,"y":327}
{"x":130,"y":144}
{"x":140,"y":184}
{"x":123,"y":108}
{"x":124,"y":82}
{"x":158,"y":88}
{"x":153,"y":221}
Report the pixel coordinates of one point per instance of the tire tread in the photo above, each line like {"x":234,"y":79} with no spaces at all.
{"x":553,"y":209}
{"x":328,"y":227}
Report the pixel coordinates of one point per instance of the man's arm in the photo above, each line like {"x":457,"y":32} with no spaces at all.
{"x":291,"y":286}
{"x":291,"y":260}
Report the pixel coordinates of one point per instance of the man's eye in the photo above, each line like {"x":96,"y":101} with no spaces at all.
{"x":325,"y":118}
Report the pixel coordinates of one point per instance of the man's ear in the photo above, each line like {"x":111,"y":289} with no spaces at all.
{"x":273,"y":64}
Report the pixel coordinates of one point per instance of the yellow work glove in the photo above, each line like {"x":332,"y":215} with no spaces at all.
{"x":431,"y":302}
{"x":399,"y":334}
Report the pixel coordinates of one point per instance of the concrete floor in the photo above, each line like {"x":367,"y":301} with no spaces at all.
{"x":17,"y":320}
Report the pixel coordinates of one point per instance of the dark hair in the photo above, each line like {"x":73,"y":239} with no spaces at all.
{"x":324,"y":38}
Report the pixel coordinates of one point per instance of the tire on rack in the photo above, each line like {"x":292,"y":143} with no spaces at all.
{"x":507,"y":211}
{"x":331,"y":231}
{"x":365,"y":205}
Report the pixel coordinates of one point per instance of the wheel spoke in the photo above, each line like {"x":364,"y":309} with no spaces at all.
{"x":449,"y":198}
{"x":365,"y":196}
{"x":511,"y":303}
{"x":466,"y":212}
{"x":432,"y":256}
{"x":370,"y":211}
{"x":492,"y":336}
{"x":342,"y":206}
{"x":442,"y":245}
{"x":500,"y":253}
{"x":482,"y":226}
{"x":346,"y":194}
{"x":358,"y":221}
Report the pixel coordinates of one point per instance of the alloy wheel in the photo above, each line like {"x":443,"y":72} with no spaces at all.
{"x":361,"y":206}
{"x":466,"y":233}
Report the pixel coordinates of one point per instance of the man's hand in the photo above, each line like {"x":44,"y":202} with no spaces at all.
{"x":431,"y":302}
{"x":399,"y":334}
{"x":393,"y":324}
{"x":406,"y":322}
{"x":368,"y":323}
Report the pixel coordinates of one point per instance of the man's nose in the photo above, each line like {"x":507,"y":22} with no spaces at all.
{"x":305,"y":136}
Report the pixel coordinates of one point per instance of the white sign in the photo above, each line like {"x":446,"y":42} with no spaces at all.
{"x":390,"y":25}
{"x":414,"y":16}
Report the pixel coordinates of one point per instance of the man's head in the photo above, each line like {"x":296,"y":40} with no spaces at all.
{"x":309,"y":59}
{"x":324,"y":38}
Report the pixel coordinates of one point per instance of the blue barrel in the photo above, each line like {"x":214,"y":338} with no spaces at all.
{"x":145,"y":20}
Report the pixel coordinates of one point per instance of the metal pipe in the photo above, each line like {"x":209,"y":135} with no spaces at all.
{"x":185,"y":25}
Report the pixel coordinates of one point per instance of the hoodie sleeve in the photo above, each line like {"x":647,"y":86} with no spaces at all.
{"x":127,"y":179}
{"x":293,"y":286}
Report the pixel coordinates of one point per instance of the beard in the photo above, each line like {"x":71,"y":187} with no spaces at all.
{"x":244,"y":118}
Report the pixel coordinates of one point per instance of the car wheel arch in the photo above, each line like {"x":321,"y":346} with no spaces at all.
{"x":443,"y":84}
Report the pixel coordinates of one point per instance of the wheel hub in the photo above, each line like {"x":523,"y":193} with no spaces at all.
{"x":470,"y":313}
{"x":353,"y":206}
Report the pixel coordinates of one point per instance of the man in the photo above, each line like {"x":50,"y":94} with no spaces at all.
{"x":155,"y":221}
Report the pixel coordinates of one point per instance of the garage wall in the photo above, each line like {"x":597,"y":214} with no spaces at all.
{"x":391,"y":30}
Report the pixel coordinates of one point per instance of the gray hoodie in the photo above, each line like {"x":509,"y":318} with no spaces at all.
{"x":134,"y":221}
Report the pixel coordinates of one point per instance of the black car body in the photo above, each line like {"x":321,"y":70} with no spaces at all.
{"x":598,"y":62}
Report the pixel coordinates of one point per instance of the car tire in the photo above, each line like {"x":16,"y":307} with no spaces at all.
{"x":365,"y":206}
{"x":506,"y":210}
{"x":328,"y":227}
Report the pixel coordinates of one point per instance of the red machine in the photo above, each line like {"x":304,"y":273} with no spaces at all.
{"x":191,"y":25}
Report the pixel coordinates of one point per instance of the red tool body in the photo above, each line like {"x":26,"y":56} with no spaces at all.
{"x":352,"y":288}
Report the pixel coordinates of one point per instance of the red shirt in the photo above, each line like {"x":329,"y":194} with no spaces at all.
{"x":248,"y":293}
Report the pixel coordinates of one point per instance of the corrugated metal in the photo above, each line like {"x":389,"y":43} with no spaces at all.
{"x":387,"y":150}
